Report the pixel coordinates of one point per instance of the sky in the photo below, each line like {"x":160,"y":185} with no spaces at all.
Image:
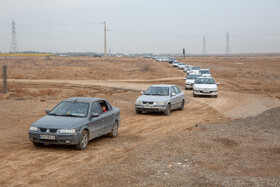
{"x":142,"y":26}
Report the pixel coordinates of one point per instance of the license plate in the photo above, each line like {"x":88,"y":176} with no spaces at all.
{"x":148,"y":106}
{"x":47,"y":137}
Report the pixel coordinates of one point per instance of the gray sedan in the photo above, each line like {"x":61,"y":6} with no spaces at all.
{"x":161,"y":98}
{"x":75,"y":121}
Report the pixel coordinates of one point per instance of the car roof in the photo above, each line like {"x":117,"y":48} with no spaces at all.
{"x":83,"y":99}
{"x":162,"y":85}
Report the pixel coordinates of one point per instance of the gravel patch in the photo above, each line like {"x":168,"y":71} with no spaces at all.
{"x":243,"y":153}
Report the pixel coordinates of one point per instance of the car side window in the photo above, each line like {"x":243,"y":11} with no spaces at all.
{"x":95,"y":108}
{"x":104,"y":106}
{"x":109,"y":106}
{"x":177,"y":90}
{"x":173,"y":90}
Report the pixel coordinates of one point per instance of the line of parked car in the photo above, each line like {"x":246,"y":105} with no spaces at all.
{"x":76,"y":120}
{"x":198,"y":79}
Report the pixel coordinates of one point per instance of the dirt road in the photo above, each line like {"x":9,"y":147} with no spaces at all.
{"x":148,"y":149}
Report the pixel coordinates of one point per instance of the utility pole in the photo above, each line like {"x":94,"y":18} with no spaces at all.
{"x":105,"y":45}
{"x":5,"y":87}
{"x":14,"y":45}
{"x":204,"y":46}
{"x":227,"y":45}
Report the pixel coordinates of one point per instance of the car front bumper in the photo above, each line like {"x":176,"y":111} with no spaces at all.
{"x":196,"y":92}
{"x":64,"y":139}
{"x":159,"y":108}
{"x":189,"y":85}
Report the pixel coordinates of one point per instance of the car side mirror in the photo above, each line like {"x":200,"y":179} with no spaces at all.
{"x":185,"y":78}
{"x":142,"y":93}
{"x":47,"y":111}
{"x":94,"y":115}
{"x":173,"y":94}
{"x":217,"y":83}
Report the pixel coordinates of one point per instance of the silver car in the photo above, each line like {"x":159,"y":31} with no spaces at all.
{"x":75,"y":121}
{"x":181,"y":66}
{"x":160,"y":98}
{"x":205,"y":72}
{"x":175,"y":63}
{"x":205,"y":86}
{"x":190,"y":80}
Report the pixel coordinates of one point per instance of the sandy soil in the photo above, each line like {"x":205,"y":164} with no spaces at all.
{"x":149,"y":146}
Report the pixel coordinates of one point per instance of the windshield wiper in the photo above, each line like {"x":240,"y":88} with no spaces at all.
{"x":70,"y":115}
{"x":54,"y":114}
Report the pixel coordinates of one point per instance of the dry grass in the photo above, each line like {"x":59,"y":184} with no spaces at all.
{"x":81,"y":68}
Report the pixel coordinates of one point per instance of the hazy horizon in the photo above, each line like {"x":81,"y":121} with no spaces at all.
{"x":142,"y":26}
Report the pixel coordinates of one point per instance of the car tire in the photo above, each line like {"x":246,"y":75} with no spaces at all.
{"x":36,"y":144}
{"x":138,"y":111}
{"x":167,"y":110}
{"x":83,"y":141}
{"x":114,"y":131}
{"x":182,"y":105}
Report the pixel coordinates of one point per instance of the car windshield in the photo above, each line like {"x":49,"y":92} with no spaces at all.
{"x":204,"y":81}
{"x":156,"y":90}
{"x":71,"y":109}
{"x":181,"y":64}
{"x":192,"y":76}
{"x":204,"y":71}
{"x":196,"y":68}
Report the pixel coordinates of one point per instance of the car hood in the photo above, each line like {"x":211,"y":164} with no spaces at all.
{"x":190,"y":81}
{"x":205,"y":86}
{"x":152,"y":98}
{"x":57,"y":122}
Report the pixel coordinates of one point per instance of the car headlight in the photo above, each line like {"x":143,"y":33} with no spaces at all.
{"x":33,"y":129}
{"x":67,"y":131}
{"x":159,"y":103}
{"x":138,"y":103}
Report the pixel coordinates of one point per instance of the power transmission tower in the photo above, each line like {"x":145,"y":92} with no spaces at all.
{"x":227,"y":45}
{"x":105,"y":45}
{"x":204,"y":46}
{"x":14,"y":45}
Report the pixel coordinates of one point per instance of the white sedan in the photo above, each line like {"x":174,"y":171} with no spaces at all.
{"x":205,"y":86}
{"x":190,"y":80}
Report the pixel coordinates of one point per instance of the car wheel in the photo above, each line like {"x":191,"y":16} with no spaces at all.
{"x":114,"y":131}
{"x":167,"y":110}
{"x":138,"y":111}
{"x":36,"y":144}
{"x":83,"y":142}
{"x":182,"y":105}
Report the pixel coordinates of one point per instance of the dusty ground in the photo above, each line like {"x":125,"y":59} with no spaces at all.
{"x":238,"y":148}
